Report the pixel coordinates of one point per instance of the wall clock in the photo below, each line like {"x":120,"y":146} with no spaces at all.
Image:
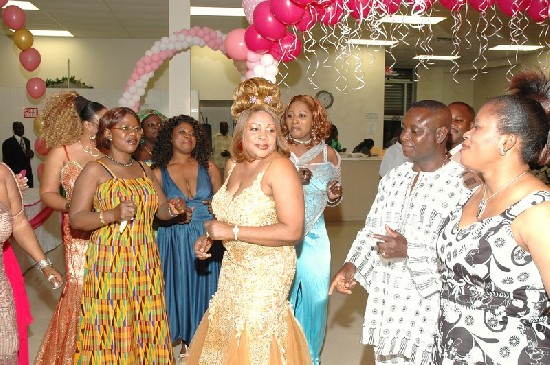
{"x":325,"y":98}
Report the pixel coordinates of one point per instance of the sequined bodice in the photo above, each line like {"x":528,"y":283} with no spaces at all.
{"x":6,"y":223}
{"x":254,"y":281}
{"x":69,"y":173}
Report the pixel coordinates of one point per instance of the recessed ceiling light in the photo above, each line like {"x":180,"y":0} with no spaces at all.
{"x":515,"y":47}
{"x":412,"y":19}
{"x":211,"y":11}
{"x":432,"y":57}
{"x":372,"y":42}
{"x":51,"y":33}
{"x":24,"y":5}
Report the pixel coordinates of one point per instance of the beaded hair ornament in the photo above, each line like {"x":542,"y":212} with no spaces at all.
{"x":267,"y":100}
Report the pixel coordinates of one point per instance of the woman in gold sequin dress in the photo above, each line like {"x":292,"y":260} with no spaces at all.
{"x":260,"y":216}
{"x":69,"y":124}
{"x":13,"y":222}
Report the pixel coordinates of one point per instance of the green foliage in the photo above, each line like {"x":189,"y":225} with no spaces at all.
{"x":63,"y":82}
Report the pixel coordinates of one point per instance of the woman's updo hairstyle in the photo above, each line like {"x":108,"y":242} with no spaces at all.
{"x":59,"y":120}
{"x":526,"y":119}
{"x":87,"y":109}
{"x":256,"y":91}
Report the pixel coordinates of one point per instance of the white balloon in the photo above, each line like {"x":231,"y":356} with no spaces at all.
{"x":155,"y":49}
{"x":179,"y":46}
{"x":172,"y":46}
{"x":141,"y":91}
{"x":121,"y":102}
{"x":163,"y":46}
{"x":272,"y":70}
{"x":135,"y":98}
{"x":271,"y":79}
{"x":148,"y":52}
{"x":186,"y":45}
{"x":267,"y":59}
{"x":126,"y":95}
{"x":139,"y":83}
{"x":132,"y":89}
{"x":164,"y":40}
{"x":181,"y":37}
{"x":173,"y":37}
{"x":259,"y":71}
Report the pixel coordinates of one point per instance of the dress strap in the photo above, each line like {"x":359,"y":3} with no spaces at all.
{"x":230,"y":170}
{"x":525,"y":203}
{"x":143,"y":168}
{"x":325,"y":154}
{"x":106,"y":168}
{"x":67,"y":153}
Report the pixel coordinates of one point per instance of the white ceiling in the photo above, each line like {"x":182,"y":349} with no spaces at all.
{"x":148,"y":19}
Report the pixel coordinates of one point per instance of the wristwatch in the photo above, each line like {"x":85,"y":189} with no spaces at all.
{"x":236,"y":232}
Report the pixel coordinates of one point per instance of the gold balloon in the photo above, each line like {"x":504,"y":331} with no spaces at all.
{"x":23,"y":39}
{"x":37,"y":125}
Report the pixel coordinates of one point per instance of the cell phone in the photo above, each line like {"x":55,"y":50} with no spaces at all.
{"x":23,"y":173}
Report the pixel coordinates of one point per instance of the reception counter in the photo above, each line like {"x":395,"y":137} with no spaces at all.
{"x":360,"y":177}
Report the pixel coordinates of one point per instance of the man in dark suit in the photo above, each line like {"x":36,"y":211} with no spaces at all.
{"x":17,"y":153}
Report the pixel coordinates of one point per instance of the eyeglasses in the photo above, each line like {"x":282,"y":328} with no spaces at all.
{"x":152,"y":125}
{"x":127,"y":130}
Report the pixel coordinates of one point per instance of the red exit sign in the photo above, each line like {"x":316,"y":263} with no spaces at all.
{"x":30,"y":113}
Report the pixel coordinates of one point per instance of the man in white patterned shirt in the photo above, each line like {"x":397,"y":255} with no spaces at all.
{"x":394,"y":256}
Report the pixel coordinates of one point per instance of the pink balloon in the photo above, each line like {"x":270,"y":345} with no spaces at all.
{"x":512,"y":7}
{"x":40,"y":146}
{"x":36,"y":87}
{"x":286,"y":11}
{"x":30,"y":59}
{"x":388,"y":6}
{"x":249,"y":6}
{"x":254,"y":40}
{"x":333,"y":13}
{"x":538,"y":10}
{"x":3,"y":2}
{"x":253,"y":56}
{"x":148,"y":68}
{"x":266,"y":24}
{"x":302,"y":3}
{"x":287,"y":48}
{"x":14,"y":17}
{"x":308,"y":20}
{"x":453,"y":5}
{"x":249,"y":74}
{"x":323,"y":3}
{"x":235,"y":45}
{"x":481,"y":5}
{"x":155,"y":57}
{"x":360,"y":9}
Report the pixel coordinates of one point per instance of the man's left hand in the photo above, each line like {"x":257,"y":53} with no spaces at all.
{"x":392,"y":245}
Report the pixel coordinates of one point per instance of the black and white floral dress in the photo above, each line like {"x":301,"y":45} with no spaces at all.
{"x":493,"y":304}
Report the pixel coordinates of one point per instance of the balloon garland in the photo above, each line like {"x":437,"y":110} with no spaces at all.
{"x":14,"y":17}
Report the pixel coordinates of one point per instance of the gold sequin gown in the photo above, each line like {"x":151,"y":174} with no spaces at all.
{"x":249,"y":321}
{"x":9,"y":340}
{"x":59,"y":343}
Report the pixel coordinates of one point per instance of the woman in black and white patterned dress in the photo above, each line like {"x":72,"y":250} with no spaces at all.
{"x":495,"y":246}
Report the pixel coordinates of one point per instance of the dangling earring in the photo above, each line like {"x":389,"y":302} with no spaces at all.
{"x":502,"y":151}
{"x":92,"y":137}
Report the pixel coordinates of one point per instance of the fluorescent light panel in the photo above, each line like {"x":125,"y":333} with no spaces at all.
{"x":211,"y":11}
{"x":372,"y":42}
{"x":515,"y":47}
{"x":24,"y":5}
{"x":50,"y":33}
{"x":412,"y":19}
{"x":432,"y":57}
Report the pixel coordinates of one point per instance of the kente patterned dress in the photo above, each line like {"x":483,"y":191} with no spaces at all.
{"x":309,"y":291}
{"x":190,"y":283}
{"x":403,"y":301}
{"x":59,"y":343}
{"x":249,"y":321}
{"x":123,"y":316}
{"x":494,"y":308}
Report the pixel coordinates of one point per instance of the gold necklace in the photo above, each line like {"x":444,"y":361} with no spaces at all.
{"x":146,"y":149}
{"x":125,"y":164}
{"x":91,"y":150}
{"x":484,"y":200}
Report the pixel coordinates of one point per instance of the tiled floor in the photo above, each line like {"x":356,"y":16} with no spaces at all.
{"x":345,"y":312}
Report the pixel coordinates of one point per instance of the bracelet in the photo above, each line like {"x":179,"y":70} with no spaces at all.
{"x":170,"y":212}
{"x":101,"y":219}
{"x":44,"y":263}
{"x":236,"y":232}
{"x":334,"y":203}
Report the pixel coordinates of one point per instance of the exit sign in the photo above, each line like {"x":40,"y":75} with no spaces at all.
{"x":30,"y":113}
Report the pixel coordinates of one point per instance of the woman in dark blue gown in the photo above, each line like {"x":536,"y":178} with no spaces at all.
{"x":181,"y":164}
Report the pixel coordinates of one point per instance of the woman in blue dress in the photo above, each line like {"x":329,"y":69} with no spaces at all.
{"x":306,"y":127}
{"x":181,"y":164}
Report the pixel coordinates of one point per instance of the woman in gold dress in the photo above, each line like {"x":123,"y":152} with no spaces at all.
{"x":69,"y":125}
{"x":260,"y":216}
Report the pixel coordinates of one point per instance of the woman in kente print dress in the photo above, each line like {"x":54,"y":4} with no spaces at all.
{"x":69,"y":125}
{"x":259,"y":212}
{"x":14,"y":223}
{"x":306,"y":127}
{"x":123,"y":314}
{"x":494,"y":247}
